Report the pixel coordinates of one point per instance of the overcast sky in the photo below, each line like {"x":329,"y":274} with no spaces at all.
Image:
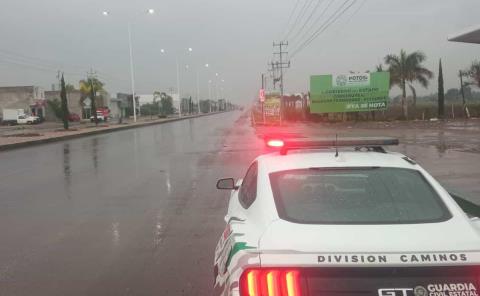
{"x":234,"y":37}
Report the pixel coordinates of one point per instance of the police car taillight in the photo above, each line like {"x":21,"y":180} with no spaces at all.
{"x":270,"y":282}
{"x":274,"y":143}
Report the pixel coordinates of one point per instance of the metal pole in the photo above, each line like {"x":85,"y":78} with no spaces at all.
{"x":209,"y":97}
{"x":178,"y":89}
{"x":198,"y":92}
{"x":132,"y":76}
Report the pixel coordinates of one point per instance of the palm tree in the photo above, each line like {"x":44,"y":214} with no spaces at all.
{"x":474,"y":73}
{"x":379,"y":68}
{"x":86,"y":84}
{"x":407,"y":68}
{"x":87,"y":91}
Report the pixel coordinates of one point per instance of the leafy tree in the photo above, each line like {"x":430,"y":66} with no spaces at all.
{"x":452,"y":94}
{"x":166,"y":103}
{"x":150,"y":108}
{"x":56,"y":107}
{"x":204,"y":106}
{"x":441,"y":92}
{"x":157,"y":96}
{"x":89,"y":88}
{"x":85,"y":86}
{"x":474,"y":73}
{"x":70,"y":87}
{"x":63,"y":97}
{"x":407,"y":68}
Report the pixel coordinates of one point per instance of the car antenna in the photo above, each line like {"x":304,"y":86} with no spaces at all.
{"x":336,"y":147}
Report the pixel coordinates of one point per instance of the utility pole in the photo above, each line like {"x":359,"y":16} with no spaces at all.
{"x":93,"y":107}
{"x":281,"y":64}
{"x":178,"y":89}
{"x":198,"y":93}
{"x":273,"y":74}
{"x":263,"y":99}
{"x":464,"y":104}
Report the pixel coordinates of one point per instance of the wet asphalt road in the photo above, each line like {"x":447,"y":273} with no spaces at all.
{"x":136,"y":212}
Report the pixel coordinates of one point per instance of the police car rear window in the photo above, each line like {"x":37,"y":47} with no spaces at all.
{"x":371,"y":195}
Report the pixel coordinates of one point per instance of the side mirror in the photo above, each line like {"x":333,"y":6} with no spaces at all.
{"x":227,"y":184}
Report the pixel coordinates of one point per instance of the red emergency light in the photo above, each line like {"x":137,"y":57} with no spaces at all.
{"x":275,"y":143}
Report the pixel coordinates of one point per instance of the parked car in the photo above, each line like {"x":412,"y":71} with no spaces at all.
{"x":73,"y":117}
{"x":27,"y":119}
{"x":100,"y":117}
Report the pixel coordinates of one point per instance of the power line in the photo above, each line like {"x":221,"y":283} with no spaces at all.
{"x":353,"y":14}
{"x":299,"y":16}
{"x":308,"y":20}
{"x":323,"y":28}
{"x":314,"y":24}
{"x":36,"y":60}
{"x":47,"y":65}
{"x":291,"y":14}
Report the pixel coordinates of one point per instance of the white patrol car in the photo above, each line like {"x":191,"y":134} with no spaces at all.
{"x":345,"y":217}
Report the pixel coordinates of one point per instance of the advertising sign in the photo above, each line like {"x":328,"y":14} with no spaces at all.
{"x":272,"y":106}
{"x":349,"y":92}
{"x":261,"y":95}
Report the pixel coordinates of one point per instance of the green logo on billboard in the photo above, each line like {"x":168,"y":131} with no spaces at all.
{"x":341,"y":80}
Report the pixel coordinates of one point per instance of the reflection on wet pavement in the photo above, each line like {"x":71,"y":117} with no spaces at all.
{"x":136,"y":212}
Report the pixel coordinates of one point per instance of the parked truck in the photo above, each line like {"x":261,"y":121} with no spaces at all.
{"x":18,"y":116}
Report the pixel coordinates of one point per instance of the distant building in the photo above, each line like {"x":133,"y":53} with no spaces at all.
{"x":128,"y":99}
{"x":119,"y":105}
{"x":74,"y":101}
{"x":29,"y":98}
{"x":145,"y":99}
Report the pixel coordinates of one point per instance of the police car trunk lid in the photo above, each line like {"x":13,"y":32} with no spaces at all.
{"x":384,"y":260}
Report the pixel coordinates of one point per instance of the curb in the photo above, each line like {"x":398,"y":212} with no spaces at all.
{"x":12,"y":146}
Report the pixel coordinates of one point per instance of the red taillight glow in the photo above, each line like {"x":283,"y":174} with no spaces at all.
{"x":270,"y":282}
{"x":275,"y":143}
{"x":253,"y":283}
{"x":292,"y":283}
{"x":273,"y":283}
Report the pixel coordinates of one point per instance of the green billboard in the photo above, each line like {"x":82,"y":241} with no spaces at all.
{"x":349,"y":92}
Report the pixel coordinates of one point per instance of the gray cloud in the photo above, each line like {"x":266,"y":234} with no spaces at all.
{"x":234,"y":37}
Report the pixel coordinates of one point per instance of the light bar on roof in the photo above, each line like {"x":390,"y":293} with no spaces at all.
{"x":323,"y":143}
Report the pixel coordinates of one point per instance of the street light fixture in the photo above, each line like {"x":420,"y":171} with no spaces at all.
{"x":132,"y":74}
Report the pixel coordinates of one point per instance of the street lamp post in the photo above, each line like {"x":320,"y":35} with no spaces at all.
{"x":189,"y":49}
{"x":132,"y":75}
{"x":210,"y":96}
{"x":130,"y":45}
{"x":198,"y":87}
